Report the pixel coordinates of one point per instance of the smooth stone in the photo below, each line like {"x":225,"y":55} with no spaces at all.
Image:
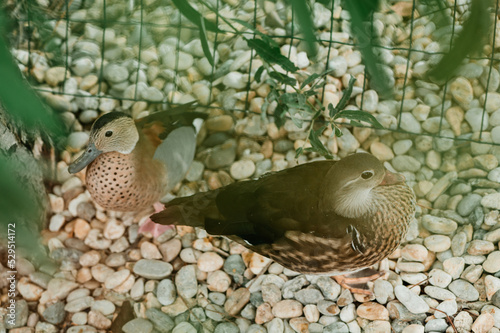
{"x":439,"y":225}
{"x":468,"y":204}
{"x":406,"y":163}
{"x":166,"y":292}
{"x":138,"y":325}
{"x":475,"y":118}
{"x":437,"y":243}
{"x":186,"y":282}
{"x":439,"y":278}
{"x":410,"y":300}
{"x":409,"y":123}
{"x":464,"y":290}
{"x":161,"y":321}
{"x":242,"y":169}
{"x":439,"y":293}
{"x":492,"y":263}
{"x":152,"y":269}
{"x":491,"y":201}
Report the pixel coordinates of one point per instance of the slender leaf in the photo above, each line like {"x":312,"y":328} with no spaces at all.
{"x":299,"y":152}
{"x":470,"y":40}
{"x":192,"y":14}
{"x":361,"y":11}
{"x":282,"y":78}
{"x":338,"y":132}
{"x":22,"y":103}
{"x":271,"y":54}
{"x":358,"y":115}
{"x":279,"y":115}
{"x":304,"y":17}
{"x":316,"y":144}
{"x":310,"y":79}
{"x":258,"y":73}
{"x":204,"y":42}
{"x":346,"y":96}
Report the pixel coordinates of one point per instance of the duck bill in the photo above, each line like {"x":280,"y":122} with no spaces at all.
{"x":392,"y":178}
{"x":90,"y":154}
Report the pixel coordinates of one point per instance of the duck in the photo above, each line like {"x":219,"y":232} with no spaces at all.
{"x":132,"y":164}
{"x":335,"y":218}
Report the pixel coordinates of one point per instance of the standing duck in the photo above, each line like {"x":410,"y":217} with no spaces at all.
{"x":323,"y":217}
{"x":132,"y":165}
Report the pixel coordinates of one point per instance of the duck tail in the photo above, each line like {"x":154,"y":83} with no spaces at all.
{"x":190,"y":211}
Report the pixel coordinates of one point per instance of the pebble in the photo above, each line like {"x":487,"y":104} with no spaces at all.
{"x":484,"y":323}
{"x":166,"y":292}
{"x":491,"y":201}
{"x":439,"y":278}
{"x":186,"y":282}
{"x":439,"y":225}
{"x":468,"y":204}
{"x":287,"y":309}
{"x":439,"y":293}
{"x":480,"y":247}
{"x":492,"y":263}
{"x":437,"y":243}
{"x":454,"y":266}
{"x":210,"y":261}
{"x":464,"y":290}
{"x":242,"y":169}
{"x":372,"y":311}
{"x":152,"y":269}
{"x":236,"y":301}
{"x":412,"y":302}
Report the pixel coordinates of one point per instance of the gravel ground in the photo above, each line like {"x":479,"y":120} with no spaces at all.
{"x":444,"y":278}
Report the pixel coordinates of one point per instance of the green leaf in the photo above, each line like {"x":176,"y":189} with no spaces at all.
{"x":299,"y":151}
{"x":316,"y":144}
{"x":271,"y":54}
{"x":191,"y":14}
{"x":471,"y":39}
{"x":338,"y":132}
{"x":310,"y":79}
{"x":204,"y":42}
{"x":346,"y":96}
{"x":304,"y":17}
{"x":22,"y":103}
{"x":279,"y":115}
{"x":361,"y":11}
{"x":258,"y":73}
{"x":358,"y":115}
{"x":285,"y":79}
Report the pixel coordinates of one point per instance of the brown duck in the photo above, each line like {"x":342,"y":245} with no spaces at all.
{"x":323,"y":217}
{"x":132,"y":165}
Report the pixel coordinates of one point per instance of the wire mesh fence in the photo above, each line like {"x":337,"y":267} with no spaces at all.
{"x":86,"y":55}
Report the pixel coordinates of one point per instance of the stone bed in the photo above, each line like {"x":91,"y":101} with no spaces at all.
{"x":447,"y":272}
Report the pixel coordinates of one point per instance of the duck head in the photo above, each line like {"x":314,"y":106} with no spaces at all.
{"x":112,"y":132}
{"x":356,"y":182}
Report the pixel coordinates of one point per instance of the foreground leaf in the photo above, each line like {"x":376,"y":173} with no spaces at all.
{"x":471,"y":39}
{"x":357,"y":116}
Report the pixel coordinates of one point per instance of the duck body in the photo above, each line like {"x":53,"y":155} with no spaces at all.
{"x":317,"y":218}
{"x":123,"y":182}
{"x":132,"y":165}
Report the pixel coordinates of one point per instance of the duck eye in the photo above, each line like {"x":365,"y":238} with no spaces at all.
{"x":108,"y":133}
{"x":367,"y":175}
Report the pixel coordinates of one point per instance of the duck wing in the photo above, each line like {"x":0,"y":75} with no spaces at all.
{"x":278,"y":209}
{"x":174,"y":134}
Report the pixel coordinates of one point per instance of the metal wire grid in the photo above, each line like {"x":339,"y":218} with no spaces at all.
{"x":184,"y":23}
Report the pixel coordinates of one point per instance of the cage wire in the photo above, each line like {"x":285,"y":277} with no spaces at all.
{"x":133,"y":31}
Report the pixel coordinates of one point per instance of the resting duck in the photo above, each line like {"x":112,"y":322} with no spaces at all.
{"x":323,"y":217}
{"x":132,"y":165}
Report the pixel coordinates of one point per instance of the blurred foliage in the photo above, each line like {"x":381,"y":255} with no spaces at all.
{"x":474,"y":35}
{"x":27,"y":117}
